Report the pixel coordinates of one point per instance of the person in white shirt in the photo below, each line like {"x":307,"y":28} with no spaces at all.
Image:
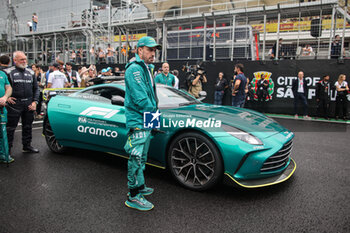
{"x":300,"y":92}
{"x":341,"y":100}
{"x":57,"y":79}
{"x":176,"y":74}
{"x":307,"y":50}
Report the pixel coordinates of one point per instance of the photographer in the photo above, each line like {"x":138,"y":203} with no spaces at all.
{"x":262,"y":92}
{"x":195,"y":82}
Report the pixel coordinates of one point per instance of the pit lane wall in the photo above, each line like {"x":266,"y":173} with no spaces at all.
{"x":282,"y":74}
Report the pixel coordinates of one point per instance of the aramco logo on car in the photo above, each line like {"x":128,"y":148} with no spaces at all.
{"x":153,"y":120}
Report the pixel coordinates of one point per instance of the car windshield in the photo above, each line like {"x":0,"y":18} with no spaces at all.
{"x":170,"y":97}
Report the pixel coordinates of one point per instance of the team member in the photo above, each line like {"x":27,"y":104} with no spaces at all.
{"x":22,"y":103}
{"x":300,"y":92}
{"x":323,"y":93}
{"x":165,"y":77}
{"x":140,"y":97}
{"x":341,"y":100}
{"x":239,"y":86}
{"x":5,"y":92}
{"x":57,"y":79}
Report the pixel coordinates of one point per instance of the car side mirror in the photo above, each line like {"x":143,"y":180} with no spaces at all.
{"x":117,"y":100}
{"x":202,"y":95}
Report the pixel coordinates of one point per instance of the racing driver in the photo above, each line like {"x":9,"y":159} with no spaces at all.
{"x":140,"y":97}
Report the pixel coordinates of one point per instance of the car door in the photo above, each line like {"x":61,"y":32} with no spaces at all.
{"x":100,"y":123}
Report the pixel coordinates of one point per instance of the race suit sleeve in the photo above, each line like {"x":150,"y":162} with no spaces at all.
{"x":138,"y":90}
{"x":36,"y":90}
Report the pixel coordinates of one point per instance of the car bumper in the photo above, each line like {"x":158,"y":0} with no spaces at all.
{"x":257,"y":183}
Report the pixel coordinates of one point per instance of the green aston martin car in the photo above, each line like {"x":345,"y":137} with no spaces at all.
{"x":198,"y":143}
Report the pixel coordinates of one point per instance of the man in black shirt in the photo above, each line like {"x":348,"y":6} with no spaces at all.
{"x":323,"y":97}
{"x":220,"y":87}
{"x":22,"y":103}
{"x":336,"y":48}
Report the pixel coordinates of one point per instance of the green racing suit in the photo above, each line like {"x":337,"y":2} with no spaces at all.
{"x":140,"y":97}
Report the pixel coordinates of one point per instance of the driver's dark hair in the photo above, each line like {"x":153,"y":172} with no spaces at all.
{"x":5,"y":60}
{"x":240,"y":66}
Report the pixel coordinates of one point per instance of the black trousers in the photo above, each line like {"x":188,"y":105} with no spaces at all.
{"x":14,"y":113}
{"x":323,"y":108}
{"x":300,"y":97}
{"x":341,"y":104}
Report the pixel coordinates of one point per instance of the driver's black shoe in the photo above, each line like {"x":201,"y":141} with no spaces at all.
{"x":30,"y":149}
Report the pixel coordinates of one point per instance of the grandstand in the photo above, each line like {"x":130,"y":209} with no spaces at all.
{"x":197,"y":30}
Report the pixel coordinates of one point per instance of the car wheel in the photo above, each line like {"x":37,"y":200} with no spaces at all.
{"x":51,"y":140}
{"x":194,"y":161}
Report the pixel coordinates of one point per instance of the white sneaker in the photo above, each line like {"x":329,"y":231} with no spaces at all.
{"x":296,"y":116}
{"x":307,"y":117}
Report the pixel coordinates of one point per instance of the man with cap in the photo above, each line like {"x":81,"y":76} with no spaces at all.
{"x":22,"y":103}
{"x":165,"y":77}
{"x":57,"y":79}
{"x":140,"y":97}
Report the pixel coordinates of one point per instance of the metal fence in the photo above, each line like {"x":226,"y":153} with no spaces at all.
{"x":215,"y":31}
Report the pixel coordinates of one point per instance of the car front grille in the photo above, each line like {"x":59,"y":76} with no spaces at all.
{"x":279,"y":159}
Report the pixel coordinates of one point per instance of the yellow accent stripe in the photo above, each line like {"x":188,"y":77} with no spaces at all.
{"x":130,"y":141}
{"x":264,"y":185}
{"x":126,"y":157}
{"x":136,"y":208}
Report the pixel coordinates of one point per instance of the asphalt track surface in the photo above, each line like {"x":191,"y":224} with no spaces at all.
{"x":84,"y":191}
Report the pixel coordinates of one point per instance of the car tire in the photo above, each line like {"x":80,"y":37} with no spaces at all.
{"x":50,"y":138}
{"x":194,"y":161}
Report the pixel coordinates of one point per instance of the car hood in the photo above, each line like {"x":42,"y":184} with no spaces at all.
{"x":244,"y":119}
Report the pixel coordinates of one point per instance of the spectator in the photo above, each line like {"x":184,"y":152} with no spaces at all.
{"x":341,"y":100}
{"x":165,"y":77}
{"x":323,"y":97}
{"x":110,"y":54}
{"x":73,"y":76}
{"x":5,"y":93}
{"x":274,"y":48}
{"x":92,"y":55}
{"x":34,"y":21}
{"x":307,"y":50}
{"x":336,"y":48}
{"x":23,"y":102}
{"x":79,"y":58}
{"x":300,"y":92}
{"x":73,"y":57}
{"x":220,"y":87}
{"x":176,"y":75}
{"x":50,"y":70}
{"x":239,"y":87}
{"x":4,"y":62}
{"x":57,"y":79}
{"x":101,"y":56}
{"x":30,"y":26}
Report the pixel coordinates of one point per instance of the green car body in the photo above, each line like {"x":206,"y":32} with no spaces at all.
{"x":254,"y":150}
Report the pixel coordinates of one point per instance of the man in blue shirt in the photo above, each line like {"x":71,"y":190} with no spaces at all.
{"x":238,"y":87}
{"x":165,"y":77}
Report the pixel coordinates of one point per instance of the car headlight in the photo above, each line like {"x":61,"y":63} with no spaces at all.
{"x":241,"y":135}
